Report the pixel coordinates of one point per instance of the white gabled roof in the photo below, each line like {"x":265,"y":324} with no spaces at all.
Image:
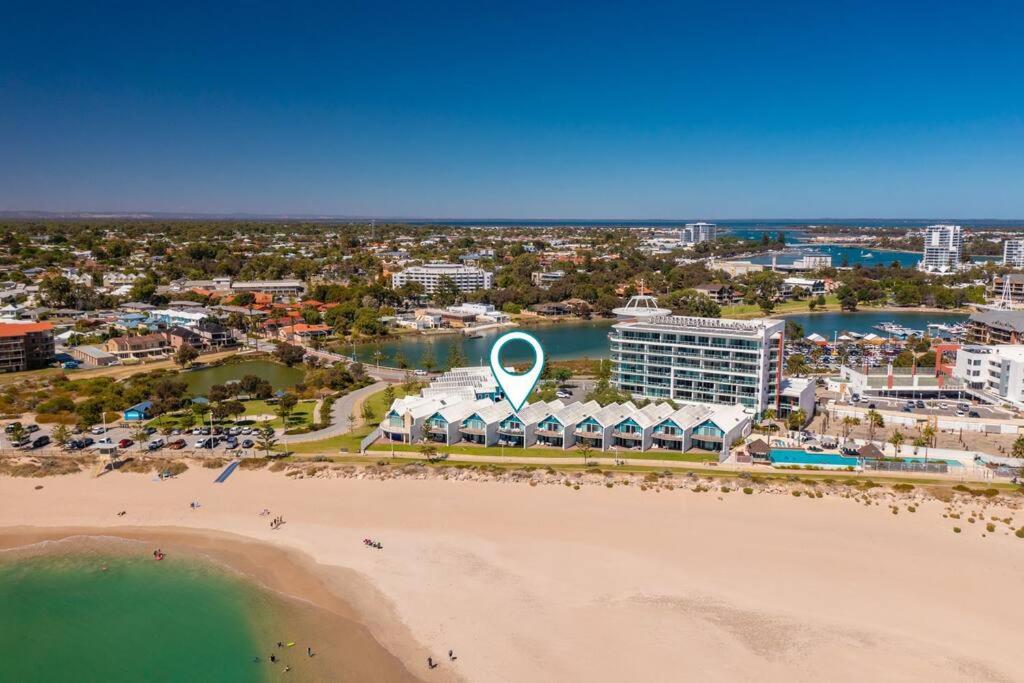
{"x":689,"y":415}
{"x":457,"y":412}
{"x":727,"y":417}
{"x":573,"y":413}
{"x":416,"y":406}
{"x":496,"y":412}
{"x":535,"y":412}
{"x":650,"y":415}
{"x":612,"y":414}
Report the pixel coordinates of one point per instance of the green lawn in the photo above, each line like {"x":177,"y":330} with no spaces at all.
{"x":541,"y":452}
{"x":350,"y":442}
{"x":741,"y":311}
{"x":302,"y":415}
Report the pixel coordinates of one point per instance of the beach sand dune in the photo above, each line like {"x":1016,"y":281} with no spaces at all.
{"x":550,"y":584}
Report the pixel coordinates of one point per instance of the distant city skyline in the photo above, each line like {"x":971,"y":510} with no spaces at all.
{"x":799,"y":110}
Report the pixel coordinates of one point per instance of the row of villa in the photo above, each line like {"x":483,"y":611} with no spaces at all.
{"x":470,"y":414}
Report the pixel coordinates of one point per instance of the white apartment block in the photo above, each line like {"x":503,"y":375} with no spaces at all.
{"x":1013,"y":253}
{"x":466,"y":278}
{"x":943,"y":247}
{"x":996,"y":370}
{"x":695,"y":233}
{"x":700,"y":360}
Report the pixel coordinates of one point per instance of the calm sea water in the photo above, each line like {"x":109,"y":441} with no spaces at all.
{"x":63,"y":619}
{"x":279,"y":376}
{"x":590,"y":339}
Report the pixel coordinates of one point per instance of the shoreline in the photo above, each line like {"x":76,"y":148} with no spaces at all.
{"x":528,"y":582}
{"x":880,"y":309}
{"x":308,"y":601}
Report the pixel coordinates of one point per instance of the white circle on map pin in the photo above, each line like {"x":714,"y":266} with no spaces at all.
{"x":517,"y":387}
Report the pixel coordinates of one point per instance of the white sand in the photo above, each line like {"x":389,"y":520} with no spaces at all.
{"x":550,"y":584}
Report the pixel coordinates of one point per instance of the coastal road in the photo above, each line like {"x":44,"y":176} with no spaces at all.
{"x":339,"y":416}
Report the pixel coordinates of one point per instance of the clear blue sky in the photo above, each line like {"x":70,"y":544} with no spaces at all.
{"x":544,"y":110}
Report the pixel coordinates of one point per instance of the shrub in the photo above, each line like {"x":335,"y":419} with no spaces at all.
{"x":1020,"y":532}
{"x":990,"y":527}
{"x":796,"y":494}
{"x":956,"y":530}
{"x":747,"y":490}
{"x":609,"y":484}
{"x":725,"y":489}
{"x":903,"y":488}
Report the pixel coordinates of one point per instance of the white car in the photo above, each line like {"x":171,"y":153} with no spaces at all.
{"x":98,"y":429}
{"x":420,"y":373}
{"x":563,"y":394}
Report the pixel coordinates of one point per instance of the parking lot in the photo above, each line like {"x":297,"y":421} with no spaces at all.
{"x":115,"y":434}
{"x":947,"y":407}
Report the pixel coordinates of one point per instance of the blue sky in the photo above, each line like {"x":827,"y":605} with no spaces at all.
{"x":516,"y":110}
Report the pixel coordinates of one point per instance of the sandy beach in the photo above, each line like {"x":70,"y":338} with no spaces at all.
{"x":548,"y":583}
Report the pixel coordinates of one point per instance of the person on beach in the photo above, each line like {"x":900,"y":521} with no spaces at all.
{"x":451,"y":655}
{"x":430,"y":662}
{"x":280,"y":644}
{"x":309,"y":652}
{"x":273,"y":658}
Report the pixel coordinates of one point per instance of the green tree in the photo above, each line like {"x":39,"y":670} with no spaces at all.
{"x":289,"y":354}
{"x":796,"y":419}
{"x":285,"y":405}
{"x":896,"y":440}
{"x":875,"y":422}
{"x":18,"y":432}
{"x":1018,"y":447}
{"x":367,"y":412}
{"x":185,"y":354}
{"x":446,"y":292}
{"x":266,"y":438}
{"x":61,"y":435}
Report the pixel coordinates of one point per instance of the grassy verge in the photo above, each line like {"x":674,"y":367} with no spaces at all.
{"x":744,"y":311}
{"x":302,"y":415}
{"x":377,"y":402}
{"x":540,"y":452}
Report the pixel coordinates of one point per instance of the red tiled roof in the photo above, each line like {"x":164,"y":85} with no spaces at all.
{"x":21,"y":329}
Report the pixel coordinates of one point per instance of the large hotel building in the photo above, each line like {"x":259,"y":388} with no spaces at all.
{"x":700,"y":360}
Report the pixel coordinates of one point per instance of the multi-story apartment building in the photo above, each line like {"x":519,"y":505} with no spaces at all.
{"x":695,"y":233}
{"x":1013,"y":253}
{"x":996,"y":370}
{"x":430,"y":275}
{"x":25,"y":346}
{"x":1007,"y":289}
{"x":995,"y":327}
{"x":279,"y":289}
{"x":546,"y":278}
{"x":943,"y":248}
{"x":700,"y":360}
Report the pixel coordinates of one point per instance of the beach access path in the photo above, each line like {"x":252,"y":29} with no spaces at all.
{"x":343,"y":407}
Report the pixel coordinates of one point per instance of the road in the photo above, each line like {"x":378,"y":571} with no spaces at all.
{"x":342,"y":408}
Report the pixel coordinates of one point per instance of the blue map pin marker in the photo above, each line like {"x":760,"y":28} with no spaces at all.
{"x":517,"y":388}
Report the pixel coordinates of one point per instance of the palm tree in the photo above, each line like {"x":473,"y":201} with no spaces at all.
{"x":768,"y":416}
{"x":849,"y":422}
{"x":875,"y":422}
{"x":896,"y":439}
{"x":920,"y":442}
{"x":1018,"y":447}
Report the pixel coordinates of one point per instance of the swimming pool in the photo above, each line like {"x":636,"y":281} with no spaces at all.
{"x":797,"y":456}
{"x":950,"y":463}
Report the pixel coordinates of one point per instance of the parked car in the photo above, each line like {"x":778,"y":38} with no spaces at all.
{"x":208,"y":442}
{"x":23,"y":441}
{"x":124,"y":443}
{"x":151,"y":430}
{"x":973,"y":413}
{"x":155,"y":445}
{"x":11,"y":427}
{"x":247,"y":443}
{"x":563,"y":394}
{"x":920,"y":404}
{"x":41,"y":441}
{"x":177,"y":444}
{"x":32,"y":428}
{"x":420,"y":373}
{"x":86,"y":441}
{"x":98,"y":429}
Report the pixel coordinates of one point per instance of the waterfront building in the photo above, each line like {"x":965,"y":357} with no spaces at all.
{"x":92,"y":356}
{"x":558,"y":427}
{"x":1007,"y":289}
{"x":481,"y":426}
{"x":809,"y":287}
{"x":943,"y":248}
{"x":596,"y":429}
{"x":171,"y":317}
{"x":445,"y":424}
{"x":695,"y":233}
{"x":997,"y":371}
{"x":142,"y":347}
{"x":520,"y":429}
{"x":636,"y":430}
{"x":25,"y":346}
{"x":1013,"y":253}
{"x":405,"y":418}
{"x":482,"y":313}
{"x":430,"y":276}
{"x":474,"y":382}
{"x":810,"y":262}
{"x":700,"y":360}
{"x":278,"y":289}
{"x":995,"y":327}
